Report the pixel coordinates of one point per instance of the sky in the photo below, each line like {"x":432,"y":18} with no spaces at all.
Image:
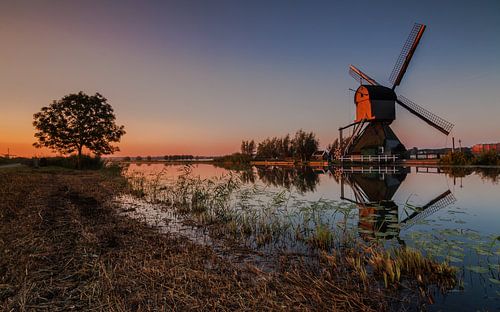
{"x":197,"y":77}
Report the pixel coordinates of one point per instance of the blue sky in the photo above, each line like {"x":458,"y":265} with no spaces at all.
{"x":199,"y":76}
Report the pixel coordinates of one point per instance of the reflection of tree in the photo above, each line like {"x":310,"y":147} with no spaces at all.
{"x":247,"y":175}
{"x":458,"y":172}
{"x":232,"y":166}
{"x":492,"y":174}
{"x":304,"y":179}
{"x":245,"y":171}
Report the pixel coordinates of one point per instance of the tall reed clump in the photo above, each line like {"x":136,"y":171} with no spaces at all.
{"x":253,"y":214}
{"x":322,"y":238}
{"x":392,"y":265}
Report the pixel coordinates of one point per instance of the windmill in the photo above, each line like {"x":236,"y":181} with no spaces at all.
{"x":375,"y":108}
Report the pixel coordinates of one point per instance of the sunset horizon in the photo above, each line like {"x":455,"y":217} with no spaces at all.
{"x":193,"y":79}
{"x":264,"y":155}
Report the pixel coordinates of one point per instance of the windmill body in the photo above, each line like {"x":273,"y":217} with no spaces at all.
{"x":376,"y":109}
{"x":375,"y":103}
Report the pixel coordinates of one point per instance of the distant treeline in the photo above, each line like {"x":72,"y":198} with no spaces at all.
{"x":166,"y":157}
{"x":6,"y":160}
{"x":179,"y":157}
{"x":299,"y":147}
{"x":70,"y":162}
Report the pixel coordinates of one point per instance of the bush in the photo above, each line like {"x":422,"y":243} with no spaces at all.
{"x":236,"y":158}
{"x":71,"y":162}
{"x":457,"y":158}
{"x":491,"y":158}
{"x":5,"y":161}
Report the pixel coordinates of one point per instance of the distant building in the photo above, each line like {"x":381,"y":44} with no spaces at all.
{"x":321,"y":155}
{"x":481,"y":148}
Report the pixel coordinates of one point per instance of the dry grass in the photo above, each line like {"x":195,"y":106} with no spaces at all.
{"x":63,"y":247}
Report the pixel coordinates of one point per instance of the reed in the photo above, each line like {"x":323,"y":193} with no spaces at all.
{"x":64,"y":247}
{"x":257,"y":217}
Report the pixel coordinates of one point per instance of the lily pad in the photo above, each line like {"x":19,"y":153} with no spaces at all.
{"x":494,"y":281}
{"x":477,"y":269}
{"x":454,"y":259}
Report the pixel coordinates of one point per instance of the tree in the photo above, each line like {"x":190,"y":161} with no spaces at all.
{"x":304,"y":144}
{"x":248,"y":147}
{"x":75,"y":122}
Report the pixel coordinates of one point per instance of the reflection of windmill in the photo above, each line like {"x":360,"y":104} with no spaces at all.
{"x":378,"y":213}
{"x":375,"y":108}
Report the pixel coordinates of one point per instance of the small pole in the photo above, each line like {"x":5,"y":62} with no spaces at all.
{"x":460,"y":145}
{"x":341,"y":186}
{"x":453,"y":144}
{"x":340,"y":142}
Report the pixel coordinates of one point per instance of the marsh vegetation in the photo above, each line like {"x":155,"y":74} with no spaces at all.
{"x":280,"y":224}
{"x":213,"y":238}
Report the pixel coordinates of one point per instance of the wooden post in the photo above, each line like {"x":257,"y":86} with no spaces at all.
{"x":340,"y":142}
{"x":341,"y":186}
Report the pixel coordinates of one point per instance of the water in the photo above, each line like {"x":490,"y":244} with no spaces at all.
{"x":452,"y":216}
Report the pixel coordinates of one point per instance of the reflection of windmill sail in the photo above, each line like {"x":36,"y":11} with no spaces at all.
{"x":431,"y":207}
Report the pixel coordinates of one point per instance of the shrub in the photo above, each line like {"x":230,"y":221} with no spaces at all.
{"x":491,"y":158}
{"x":457,"y":158}
{"x":71,"y":162}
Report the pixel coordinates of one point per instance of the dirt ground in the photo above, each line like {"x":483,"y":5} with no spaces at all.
{"x":63,"y":247}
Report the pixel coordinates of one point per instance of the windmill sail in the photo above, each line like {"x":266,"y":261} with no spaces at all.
{"x":359,"y":76}
{"x":406,"y":54}
{"x":430,"y":118}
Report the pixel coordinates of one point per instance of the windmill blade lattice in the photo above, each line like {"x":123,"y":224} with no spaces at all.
{"x":406,"y":54}
{"x":359,"y":76}
{"x":430,"y":118}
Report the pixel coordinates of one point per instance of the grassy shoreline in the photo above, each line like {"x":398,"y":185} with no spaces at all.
{"x":64,"y":246}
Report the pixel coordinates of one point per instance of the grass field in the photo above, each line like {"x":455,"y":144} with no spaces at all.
{"x":64,"y":247}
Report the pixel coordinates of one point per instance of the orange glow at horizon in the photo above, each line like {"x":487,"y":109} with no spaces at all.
{"x":26,"y":149}
{"x":186,"y":78}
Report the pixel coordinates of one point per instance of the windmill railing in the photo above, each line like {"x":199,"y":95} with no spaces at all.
{"x":369,"y":158}
{"x":378,"y":169}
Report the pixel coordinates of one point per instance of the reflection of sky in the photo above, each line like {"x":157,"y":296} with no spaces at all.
{"x":196,"y":77}
{"x":475,"y":214}
{"x":477,"y":201}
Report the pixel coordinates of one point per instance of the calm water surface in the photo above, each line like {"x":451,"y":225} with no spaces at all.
{"x":453,"y":216}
